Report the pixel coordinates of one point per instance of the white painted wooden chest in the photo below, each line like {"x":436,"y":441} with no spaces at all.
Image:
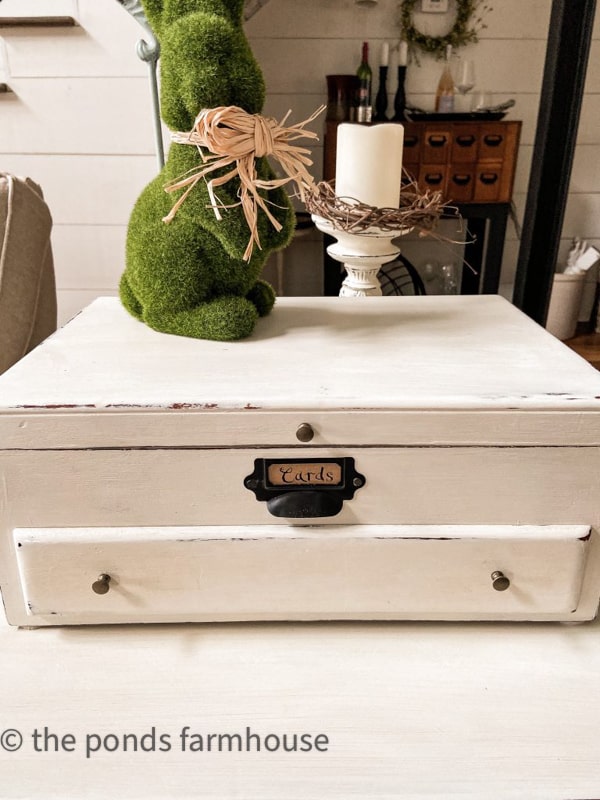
{"x":357,"y":458}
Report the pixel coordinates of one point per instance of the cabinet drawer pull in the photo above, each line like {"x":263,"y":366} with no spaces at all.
{"x":437,"y":140}
{"x":466,"y":140}
{"x":493,"y":139}
{"x":102,"y":584}
{"x":461,"y":180}
{"x":488,"y":178}
{"x":434,"y":178}
{"x":411,"y":141}
{"x":499,"y":581}
{"x":305,"y":432}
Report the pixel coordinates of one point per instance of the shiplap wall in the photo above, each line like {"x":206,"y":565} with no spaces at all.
{"x":79,"y":122}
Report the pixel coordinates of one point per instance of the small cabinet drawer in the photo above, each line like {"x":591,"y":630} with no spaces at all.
{"x":488,"y":182}
{"x":436,"y":146}
{"x":411,"y":152}
{"x":465,"y":144}
{"x":492,"y":142}
{"x":433,"y":177}
{"x":215,"y":573}
{"x":461,"y":185}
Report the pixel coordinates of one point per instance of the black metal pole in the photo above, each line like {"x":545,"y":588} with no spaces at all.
{"x":567,"y":54}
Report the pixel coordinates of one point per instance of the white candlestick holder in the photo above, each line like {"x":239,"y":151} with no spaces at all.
{"x":362,"y":253}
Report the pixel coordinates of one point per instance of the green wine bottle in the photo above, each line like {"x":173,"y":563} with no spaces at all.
{"x":364,"y":109}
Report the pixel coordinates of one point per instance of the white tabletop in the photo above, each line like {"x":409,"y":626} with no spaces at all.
{"x":315,"y":353}
{"x":410,"y":710}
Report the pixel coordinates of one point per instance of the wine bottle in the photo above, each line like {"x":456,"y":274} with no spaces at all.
{"x":365,"y":76}
{"x":444,"y":97}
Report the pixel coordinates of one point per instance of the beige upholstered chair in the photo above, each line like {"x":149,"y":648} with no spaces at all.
{"x":27,"y":286}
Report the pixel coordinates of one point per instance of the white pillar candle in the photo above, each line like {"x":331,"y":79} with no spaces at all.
{"x":385,"y":54}
{"x":368,"y":164}
{"x":403,"y":54}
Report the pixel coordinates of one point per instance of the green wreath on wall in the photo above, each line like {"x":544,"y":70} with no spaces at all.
{"x":468,"y":23}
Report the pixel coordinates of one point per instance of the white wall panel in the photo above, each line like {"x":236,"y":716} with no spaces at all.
{"x":86,"y":190}
{"x":76,"y":115}
{"x":343,"y":19}
{"x":338,"y":19}
{"x":516,"y":19}
{"x":585,"y":177}
{"x":582,"y":216}
{"x":523,"y":168}
{"x":102,"y":45}
{"x":593,"y":73}
{"x":88,"y":256}
{"x":3,"y":61}
{"x":509,"y":260}
{"x":589,"y":129}
{"x":301,"y":106}
{"x":38,"y":8}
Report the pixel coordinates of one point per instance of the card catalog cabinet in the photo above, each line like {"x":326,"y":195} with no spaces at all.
{"x":469,"y":162}
{"x":385,"y":458}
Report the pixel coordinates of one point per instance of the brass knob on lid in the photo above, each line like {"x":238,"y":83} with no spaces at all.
{"x":305,"y":432}
{"x":499,"y":581}
{"x":102,"y":584}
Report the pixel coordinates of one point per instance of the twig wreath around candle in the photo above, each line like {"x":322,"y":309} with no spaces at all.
{"x":419,"y":211}
{"x":467,"y":25}
{"x":365,"y":235}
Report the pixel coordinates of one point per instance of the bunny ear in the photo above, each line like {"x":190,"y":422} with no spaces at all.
{"x":154,"y":12}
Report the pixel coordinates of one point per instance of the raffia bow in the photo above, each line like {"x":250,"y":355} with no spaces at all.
{"x":235,"y":138}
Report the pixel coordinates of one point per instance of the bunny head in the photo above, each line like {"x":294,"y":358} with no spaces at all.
{"x":206,"y":60}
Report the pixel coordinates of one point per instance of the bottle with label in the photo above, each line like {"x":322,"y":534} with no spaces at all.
{"x":364,"y":109}
{"x":444,"y":97}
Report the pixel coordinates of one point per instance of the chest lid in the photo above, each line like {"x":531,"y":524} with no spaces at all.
{"x":361,"y":371}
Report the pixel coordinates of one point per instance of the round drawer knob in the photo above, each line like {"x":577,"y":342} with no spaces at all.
{"x":102,"y":584}
{"x":499,"y":581}
{"x":305,"y":432}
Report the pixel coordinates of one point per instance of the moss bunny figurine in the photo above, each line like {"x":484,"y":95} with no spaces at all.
{"x":188,"y":277}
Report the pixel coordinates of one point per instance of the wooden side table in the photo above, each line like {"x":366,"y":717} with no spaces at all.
{"x":458,"y":410}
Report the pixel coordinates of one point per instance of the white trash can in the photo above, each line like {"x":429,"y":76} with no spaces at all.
{"x":565,"y":302}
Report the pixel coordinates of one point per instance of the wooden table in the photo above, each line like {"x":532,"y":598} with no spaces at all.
{"x":398,"y":709}
{"x":587,"y":345}
{"x":410,"y":710}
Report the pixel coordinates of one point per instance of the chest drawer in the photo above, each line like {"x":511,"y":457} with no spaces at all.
{"x":184,"y":537}
{"x":188,"y":574}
